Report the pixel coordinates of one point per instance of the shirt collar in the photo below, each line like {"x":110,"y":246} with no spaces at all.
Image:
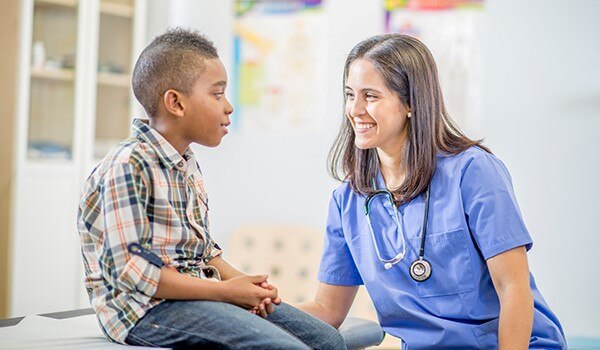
{"x":379,"y":182}
{"x":166,"y":153}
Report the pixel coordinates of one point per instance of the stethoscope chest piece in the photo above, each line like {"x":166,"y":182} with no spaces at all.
{"x":420,"y":270}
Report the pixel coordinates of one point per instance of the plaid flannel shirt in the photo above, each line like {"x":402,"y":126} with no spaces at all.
{"x":142,"y":192}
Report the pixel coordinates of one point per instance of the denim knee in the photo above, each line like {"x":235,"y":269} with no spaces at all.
{"x":331,"y":339}
{"x":310,"y":330}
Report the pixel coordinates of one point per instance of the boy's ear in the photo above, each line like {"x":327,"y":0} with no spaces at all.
{"x":173,"y":102}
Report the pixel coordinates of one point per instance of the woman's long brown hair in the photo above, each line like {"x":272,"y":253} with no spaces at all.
{"x":409,"y":70}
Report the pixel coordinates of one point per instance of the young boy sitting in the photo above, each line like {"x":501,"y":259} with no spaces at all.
{"x":154,"y":275}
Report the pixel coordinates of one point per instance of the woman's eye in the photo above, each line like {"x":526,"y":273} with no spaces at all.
{"x":349,"y":95}
{"x":369,"y":96}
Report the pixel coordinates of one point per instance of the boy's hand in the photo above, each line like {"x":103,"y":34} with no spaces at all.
{"x":245,"y":291}
{"x":267,"y":305}
{"x":268,"y":286}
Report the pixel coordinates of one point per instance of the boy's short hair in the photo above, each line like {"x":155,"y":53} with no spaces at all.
{"x":173,"y":60}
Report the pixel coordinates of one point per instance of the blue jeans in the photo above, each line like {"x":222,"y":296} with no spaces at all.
{"x":210,"y":324}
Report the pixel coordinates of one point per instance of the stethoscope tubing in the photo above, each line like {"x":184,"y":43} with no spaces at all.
{"x":399,"y":256}
{"x":388,"y":263}
{"x":424,"y":226}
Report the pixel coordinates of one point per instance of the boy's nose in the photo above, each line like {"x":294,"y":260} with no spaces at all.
{"x":228,"y":108}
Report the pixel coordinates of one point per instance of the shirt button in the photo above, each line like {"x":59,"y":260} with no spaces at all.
{"x":180,"y":164}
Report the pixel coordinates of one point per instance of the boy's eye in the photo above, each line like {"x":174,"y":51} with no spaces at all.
{"x":219,"y":94}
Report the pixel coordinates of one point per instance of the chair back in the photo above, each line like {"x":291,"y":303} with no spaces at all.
{"x":289,"y":254}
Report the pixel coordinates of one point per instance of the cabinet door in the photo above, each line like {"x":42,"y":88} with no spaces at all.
{"x":52,"y":82}
{"x":113,"y":92}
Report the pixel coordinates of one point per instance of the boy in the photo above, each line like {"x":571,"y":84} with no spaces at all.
{"x":154,"y":275}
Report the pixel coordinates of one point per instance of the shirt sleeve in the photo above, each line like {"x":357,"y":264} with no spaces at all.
{"x":491,"y":207}
{"x":337,"y":265}
{"x":124,"y":196}
{"x":212,"y":249}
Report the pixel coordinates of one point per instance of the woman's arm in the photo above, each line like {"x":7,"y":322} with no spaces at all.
{"x":331,"y":304}
{"x":510,"y":275}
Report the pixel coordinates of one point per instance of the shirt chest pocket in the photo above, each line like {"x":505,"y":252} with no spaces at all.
{"x":451,"y":271}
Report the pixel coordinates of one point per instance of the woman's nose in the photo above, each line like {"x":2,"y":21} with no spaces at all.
{"x":357,"y":108}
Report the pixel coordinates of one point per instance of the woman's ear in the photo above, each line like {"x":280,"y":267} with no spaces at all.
{"x":172,"y":99}
{"x":408,"y":112}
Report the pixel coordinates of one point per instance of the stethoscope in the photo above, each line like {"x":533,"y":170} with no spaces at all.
{"x":420,"y":269}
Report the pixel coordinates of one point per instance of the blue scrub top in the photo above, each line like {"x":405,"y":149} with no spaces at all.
{"x":473,"y":216}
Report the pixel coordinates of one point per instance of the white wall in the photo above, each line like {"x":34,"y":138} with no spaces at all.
{"x":542,"y":111}
{"x":542,"y":116}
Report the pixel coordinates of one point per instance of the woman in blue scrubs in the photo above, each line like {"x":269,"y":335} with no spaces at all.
{"x":470,"y":286}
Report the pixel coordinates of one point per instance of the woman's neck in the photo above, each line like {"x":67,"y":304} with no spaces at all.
{"x":391,"y":168}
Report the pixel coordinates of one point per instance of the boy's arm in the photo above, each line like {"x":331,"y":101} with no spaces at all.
{"x":121,"y":216}
{"x":226,"y":271}
{"x":241,"y":290}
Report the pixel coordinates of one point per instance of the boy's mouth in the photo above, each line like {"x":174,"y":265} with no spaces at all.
{"x":224,"y":126}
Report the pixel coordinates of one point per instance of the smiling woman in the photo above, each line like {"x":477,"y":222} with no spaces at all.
{"x":445,"y":258}
{"x":376,"y":113}
{"x":387,"y":80}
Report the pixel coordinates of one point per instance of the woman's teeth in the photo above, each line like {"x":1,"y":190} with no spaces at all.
{"x":364,"y":126}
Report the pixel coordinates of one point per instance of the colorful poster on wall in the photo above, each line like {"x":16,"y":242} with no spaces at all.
{"x":279,"y":64}
{"x":452,"y":30}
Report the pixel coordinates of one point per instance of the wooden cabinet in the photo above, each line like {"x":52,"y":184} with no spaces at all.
{"x":9,"y":42}
{"x":74,"y":102}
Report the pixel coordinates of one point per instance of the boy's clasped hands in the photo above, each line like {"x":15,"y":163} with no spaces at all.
{"x":253,"y":293}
